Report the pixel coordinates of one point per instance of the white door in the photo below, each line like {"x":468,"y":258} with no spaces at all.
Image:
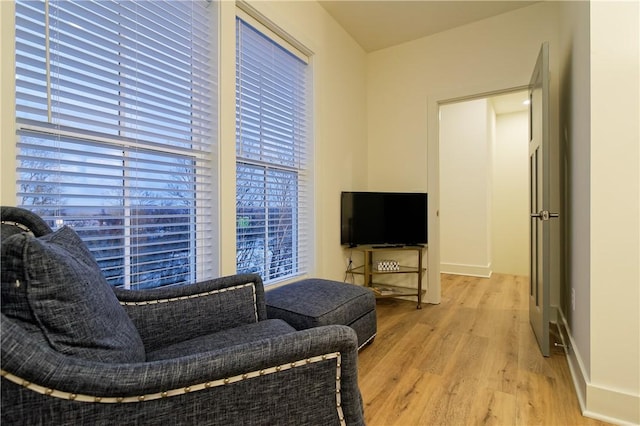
{"x":539,"y":179}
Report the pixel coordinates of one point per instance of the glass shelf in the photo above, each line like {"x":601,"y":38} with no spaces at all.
{"x":368,"y":270}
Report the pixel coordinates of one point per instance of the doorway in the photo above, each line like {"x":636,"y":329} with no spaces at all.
{"x":483,"y":178}
{"x":434,"y":102}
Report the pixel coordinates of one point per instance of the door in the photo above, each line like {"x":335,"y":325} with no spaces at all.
{"x":539,"y":201}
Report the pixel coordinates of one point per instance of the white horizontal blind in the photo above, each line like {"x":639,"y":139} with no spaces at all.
{"x":272,"y":146}
{"x":116,"y":130}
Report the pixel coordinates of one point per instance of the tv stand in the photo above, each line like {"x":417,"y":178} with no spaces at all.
{"x":369,"y":270}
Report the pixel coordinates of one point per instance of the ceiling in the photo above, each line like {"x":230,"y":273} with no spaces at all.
{"x":510,"y":102}
{"x":383,"y":23}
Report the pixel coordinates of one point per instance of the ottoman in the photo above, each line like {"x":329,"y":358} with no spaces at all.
{"x":315,"y":302}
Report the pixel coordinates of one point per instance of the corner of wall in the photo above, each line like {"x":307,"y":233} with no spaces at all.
{"x":596,"y":402}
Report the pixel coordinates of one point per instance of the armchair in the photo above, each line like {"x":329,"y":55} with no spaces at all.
{"x":76,"y":351}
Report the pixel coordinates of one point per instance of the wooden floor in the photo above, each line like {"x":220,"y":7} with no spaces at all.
{"x":471,"y":360}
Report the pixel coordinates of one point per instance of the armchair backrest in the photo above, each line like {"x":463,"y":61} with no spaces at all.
{"x":52,"y":284}
{"x":15,"y":220}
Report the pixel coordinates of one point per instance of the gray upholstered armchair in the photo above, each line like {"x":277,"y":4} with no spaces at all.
{"x":75,"y":351}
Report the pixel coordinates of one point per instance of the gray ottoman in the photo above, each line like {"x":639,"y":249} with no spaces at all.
{"x":315,"y":302}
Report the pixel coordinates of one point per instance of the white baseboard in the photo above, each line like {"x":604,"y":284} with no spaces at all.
{"x":612,"y":406}
{"x":470,"y":270}
{"x":574,"y":360}
{"x":609,"y":405}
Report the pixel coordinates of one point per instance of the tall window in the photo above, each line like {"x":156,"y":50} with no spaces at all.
{"x":272,"y":170}
{"x":116,"y":131}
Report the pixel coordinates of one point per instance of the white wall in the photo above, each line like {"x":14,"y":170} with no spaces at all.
{"x":575,"y":136}
{"x":465,"y":181}
{"x":484,"y":190}
{"x":510,"y":201}
{"x":599,"y":121}
{"x":492,"y":54}
{"x":615,"y":206}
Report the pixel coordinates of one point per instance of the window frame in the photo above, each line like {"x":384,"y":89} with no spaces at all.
{"x":303,"y":236}
{"x":203,"y":255}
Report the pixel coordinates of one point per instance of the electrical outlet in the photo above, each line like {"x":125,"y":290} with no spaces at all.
{"x":573,"y":299}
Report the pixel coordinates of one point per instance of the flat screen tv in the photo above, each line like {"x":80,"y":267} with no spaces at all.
{"x":383,"y":218}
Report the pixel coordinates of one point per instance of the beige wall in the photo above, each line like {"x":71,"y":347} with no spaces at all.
{"x":599,"y":121}
{"x":615,"y":204}
{"x":510,"y":201}
{"x":7,"y":101}
{"x":484,"y":226}
{"x":492,"y":54}
{"x":574,"y":117}
{"x":465,"y":182}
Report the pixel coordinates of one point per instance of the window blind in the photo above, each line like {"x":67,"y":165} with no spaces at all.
{"x":272,"y":174}
{"x":116,"y":131}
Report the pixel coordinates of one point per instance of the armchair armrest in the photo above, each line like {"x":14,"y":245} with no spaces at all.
{"x":168,"y":315}
{"x":303,"y":377}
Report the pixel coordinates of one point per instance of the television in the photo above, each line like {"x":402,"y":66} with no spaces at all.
{"x":383,"y":218}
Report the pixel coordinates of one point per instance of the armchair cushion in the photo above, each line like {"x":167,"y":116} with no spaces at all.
{"x":53,"y":285}
{"x":240,"y":335}
{"x":213,"y":305}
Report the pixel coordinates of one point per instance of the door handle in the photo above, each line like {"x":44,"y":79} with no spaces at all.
{"x":544,"y":215}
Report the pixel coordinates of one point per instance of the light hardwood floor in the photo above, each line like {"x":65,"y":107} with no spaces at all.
{"x":471,"y":360}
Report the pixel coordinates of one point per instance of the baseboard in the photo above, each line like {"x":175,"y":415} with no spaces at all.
{"x":608,"y":405}
{"x":612,"y":406}
{"x":470,"y":270}
{"x":578,"y":373}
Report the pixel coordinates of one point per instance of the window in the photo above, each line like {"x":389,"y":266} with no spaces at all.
{"x":272,"y":145}
{"x":117,"y":131}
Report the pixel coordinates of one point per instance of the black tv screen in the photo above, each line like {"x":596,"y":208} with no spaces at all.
{"x":385,"y":218}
